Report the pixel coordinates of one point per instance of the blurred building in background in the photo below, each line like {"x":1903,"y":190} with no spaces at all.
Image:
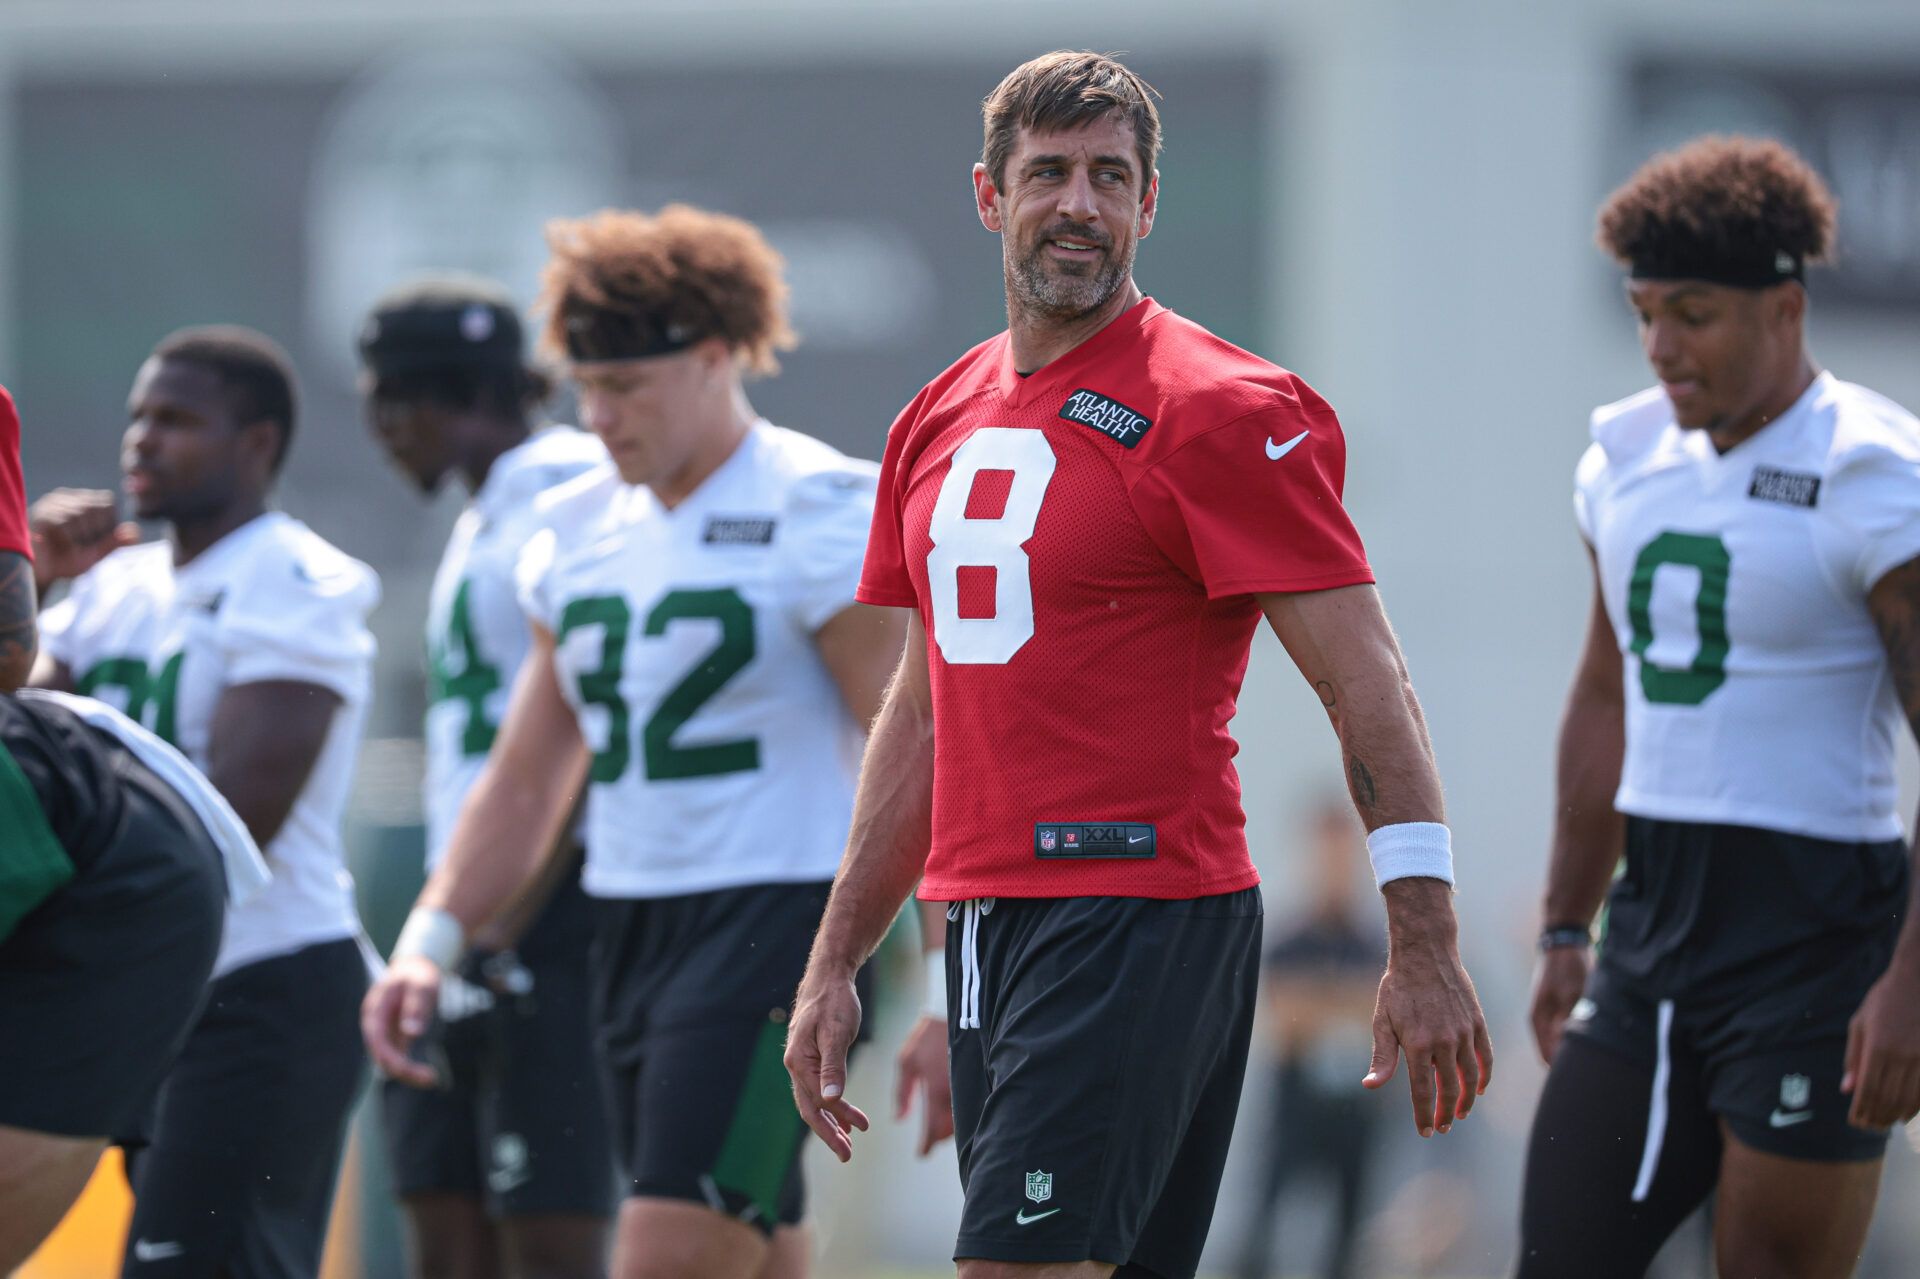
{"x":1394,"y":199}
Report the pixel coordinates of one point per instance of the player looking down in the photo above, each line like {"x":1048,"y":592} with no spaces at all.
{"x":700,"y":668}
{"x":1086,"y":518}
{"x":1752,"y":1026}
{"x":506,"y":1167}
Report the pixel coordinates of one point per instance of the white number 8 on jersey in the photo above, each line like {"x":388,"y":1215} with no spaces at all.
{"x":959,"y":542}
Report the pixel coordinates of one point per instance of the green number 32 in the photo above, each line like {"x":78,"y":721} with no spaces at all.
{"x":1693,"y":683}
{"x":665,"y":761}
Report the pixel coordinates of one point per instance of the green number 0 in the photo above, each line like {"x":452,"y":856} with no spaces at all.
{"x":1694,"y":683}
{"x":471,"y":682}
{"x":601,"y":686}
{"x":144,"y":688}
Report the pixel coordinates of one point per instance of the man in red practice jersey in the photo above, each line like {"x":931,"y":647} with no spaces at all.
{"x":1088,"y":516}
{"x":19,"y":606}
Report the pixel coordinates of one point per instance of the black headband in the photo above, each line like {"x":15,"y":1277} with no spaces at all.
{"x":597,"y":336}
{"x":1738,"y":268}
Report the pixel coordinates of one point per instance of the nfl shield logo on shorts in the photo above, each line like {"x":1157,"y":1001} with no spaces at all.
{"x":1795,"y":1092}
{"x":1047,"y":842}
{"x":1039,"y":1186}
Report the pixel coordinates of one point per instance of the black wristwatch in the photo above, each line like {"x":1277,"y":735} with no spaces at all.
{"x":1564,"y":935}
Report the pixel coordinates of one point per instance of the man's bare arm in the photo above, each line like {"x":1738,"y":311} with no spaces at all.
{"x":19,"y":629}
{"x":1883,"y":1040}
{"x":262,"y":743}
{"x":1345,"y":648}
{"x":508,"y":828}
{"x":886,"y":851}
{"x":1588,"y":832}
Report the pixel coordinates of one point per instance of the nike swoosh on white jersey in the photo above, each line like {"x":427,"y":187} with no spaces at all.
{"x":1278,"y":451}
{"x":1788,"y":1118}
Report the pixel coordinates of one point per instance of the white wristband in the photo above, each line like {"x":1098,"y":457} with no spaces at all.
{"x":1407,"y":850}
{"x":434,"y":934}
{"x":936,"y":1005}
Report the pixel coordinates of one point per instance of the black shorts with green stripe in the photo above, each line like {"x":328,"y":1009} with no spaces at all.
{"x":691,"y":999}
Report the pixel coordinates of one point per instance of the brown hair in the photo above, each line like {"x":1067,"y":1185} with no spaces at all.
{"x":1719,"y":198}
{"x":1065,"y":90}
{"x":683,"y":271}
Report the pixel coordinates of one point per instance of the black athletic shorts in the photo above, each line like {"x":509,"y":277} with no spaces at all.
{"x":519,"y":1121}
{"x":692,"y":996}
{"x":101,"y":982}
{"x":1098,"y":1046}
{"x":1735,"y":957}
{"x":238,"y":1180}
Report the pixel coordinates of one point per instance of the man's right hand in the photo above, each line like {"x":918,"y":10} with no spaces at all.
{"x":1558,"y":981}
{"x":826,"y":1017}
{"x":396,"y":1012}
{"x":74,"y":529}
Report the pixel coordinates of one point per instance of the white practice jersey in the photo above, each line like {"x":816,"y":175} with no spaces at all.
{"x":269,"y":601}
{"x":723,"y":753}
{"x":1758,"y":691}
{"x":476,"y":634}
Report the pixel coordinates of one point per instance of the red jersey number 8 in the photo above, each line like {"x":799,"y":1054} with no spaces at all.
{"x":960,"y":542}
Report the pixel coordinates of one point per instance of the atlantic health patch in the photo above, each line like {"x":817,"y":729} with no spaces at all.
{"x":1108,"y":416}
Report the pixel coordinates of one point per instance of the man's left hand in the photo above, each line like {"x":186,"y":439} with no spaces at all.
{"x":923,"y":1067}
{"x":1883,"y":1053}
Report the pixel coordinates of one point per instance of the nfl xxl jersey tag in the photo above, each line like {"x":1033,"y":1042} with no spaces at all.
{"x":1093,"y":839}
{"x":736,"y":530}
{"x":1790,"y":488}
{"x":1108,"y":416}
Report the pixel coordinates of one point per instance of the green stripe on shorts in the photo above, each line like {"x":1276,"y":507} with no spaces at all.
{"x":766,"y":1128}
{"x":33,"y":866}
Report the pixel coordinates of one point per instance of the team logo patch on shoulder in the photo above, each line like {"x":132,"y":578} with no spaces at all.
{"x":733,"y":530}
{"x":1108,"y":416}
{"x":1789,"y":488}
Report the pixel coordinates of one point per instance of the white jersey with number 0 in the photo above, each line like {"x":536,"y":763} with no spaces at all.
{"x":1758,"y":691}
{"x":476,"y":633}
{"x":723,"y":753}
{"x":269,"y":601}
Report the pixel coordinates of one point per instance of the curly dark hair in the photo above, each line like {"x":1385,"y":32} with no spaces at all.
{"x":684,"y":272}
{"x":1720,"y":198}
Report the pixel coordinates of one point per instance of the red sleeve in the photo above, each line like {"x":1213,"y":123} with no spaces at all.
{"x":13,"y":487}
{"x":1253,"y":505}
{"x":884,"y":578}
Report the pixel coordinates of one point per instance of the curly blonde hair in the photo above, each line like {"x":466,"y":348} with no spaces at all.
{"x":683,"y":274}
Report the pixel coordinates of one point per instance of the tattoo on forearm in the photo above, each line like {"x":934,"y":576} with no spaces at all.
{"x":1325,"y":689}
{"x":1360,"y":782}
{"x":19,"y":631}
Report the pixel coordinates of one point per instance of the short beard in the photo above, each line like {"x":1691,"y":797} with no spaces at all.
{"x":1035,"y":290}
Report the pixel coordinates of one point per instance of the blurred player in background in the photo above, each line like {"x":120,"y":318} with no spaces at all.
{"x":1752,"y":1028}
{"x":242,"y":639}
{"x":1087,"y":517}
{"x":505,"y":1168}
{"x":1321,"y":978}
{"x":699,"y":665}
